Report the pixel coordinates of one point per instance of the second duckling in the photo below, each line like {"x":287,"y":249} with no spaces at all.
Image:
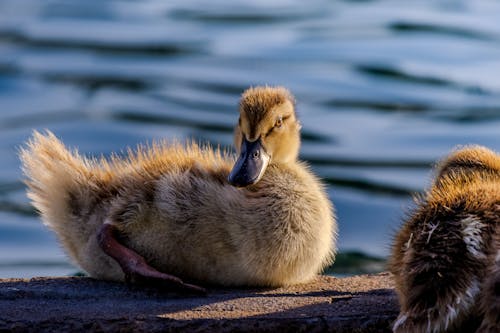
{"x":446,"y":257}
{"x":168,"y":213}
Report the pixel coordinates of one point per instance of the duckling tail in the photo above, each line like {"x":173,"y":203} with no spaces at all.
{"x":52,"y":174}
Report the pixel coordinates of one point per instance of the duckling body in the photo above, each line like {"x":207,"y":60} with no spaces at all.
{"x":173,"y":205}
{"x":445,"y":259}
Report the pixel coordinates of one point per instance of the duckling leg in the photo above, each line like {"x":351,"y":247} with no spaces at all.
{"x":135,"y":267}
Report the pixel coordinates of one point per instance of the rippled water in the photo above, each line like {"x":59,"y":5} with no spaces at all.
{"x":383,"y":89}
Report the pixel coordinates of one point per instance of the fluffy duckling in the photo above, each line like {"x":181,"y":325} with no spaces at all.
{"x":446,"y":257}
{"x":169,"y":212}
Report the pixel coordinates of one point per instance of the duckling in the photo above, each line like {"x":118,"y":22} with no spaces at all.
{"x":446,"y":257}
{"x":169,"y":213}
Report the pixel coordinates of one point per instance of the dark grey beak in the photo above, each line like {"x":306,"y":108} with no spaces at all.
{"x":251,"y":164}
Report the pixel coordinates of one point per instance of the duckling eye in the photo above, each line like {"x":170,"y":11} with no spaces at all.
{"x":279,"y":122}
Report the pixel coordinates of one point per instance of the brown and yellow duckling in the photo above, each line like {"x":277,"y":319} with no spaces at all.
{"x":169,"y":212}
{"x":446,"y":257}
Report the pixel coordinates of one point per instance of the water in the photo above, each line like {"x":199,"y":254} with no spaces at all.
{"x":383,"y":90}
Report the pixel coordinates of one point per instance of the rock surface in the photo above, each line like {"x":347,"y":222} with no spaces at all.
{"x":365,"y":303}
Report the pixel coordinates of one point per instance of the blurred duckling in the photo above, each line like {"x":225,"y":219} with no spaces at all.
{"x":170,"y":212}
{"x":446,"y":257}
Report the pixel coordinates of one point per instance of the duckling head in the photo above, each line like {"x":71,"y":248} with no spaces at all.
{"x":268,"y":132}
{"x":469,"y":161}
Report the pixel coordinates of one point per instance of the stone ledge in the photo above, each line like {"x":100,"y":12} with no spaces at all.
{"x":365,"y":303}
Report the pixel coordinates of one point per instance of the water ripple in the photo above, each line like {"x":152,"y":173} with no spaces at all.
{"x":383,"y":91}
{"x":131,"y":116}
{"x":412,"y":27}
{"x":151,"y":48}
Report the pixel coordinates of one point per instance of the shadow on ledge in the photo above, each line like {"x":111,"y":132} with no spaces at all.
{"x":365,"y":303}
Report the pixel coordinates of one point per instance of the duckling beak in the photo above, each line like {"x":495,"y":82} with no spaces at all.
{"x":251,"y":164}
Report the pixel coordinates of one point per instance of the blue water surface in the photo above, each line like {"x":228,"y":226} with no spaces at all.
{"x":384,"y":88}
